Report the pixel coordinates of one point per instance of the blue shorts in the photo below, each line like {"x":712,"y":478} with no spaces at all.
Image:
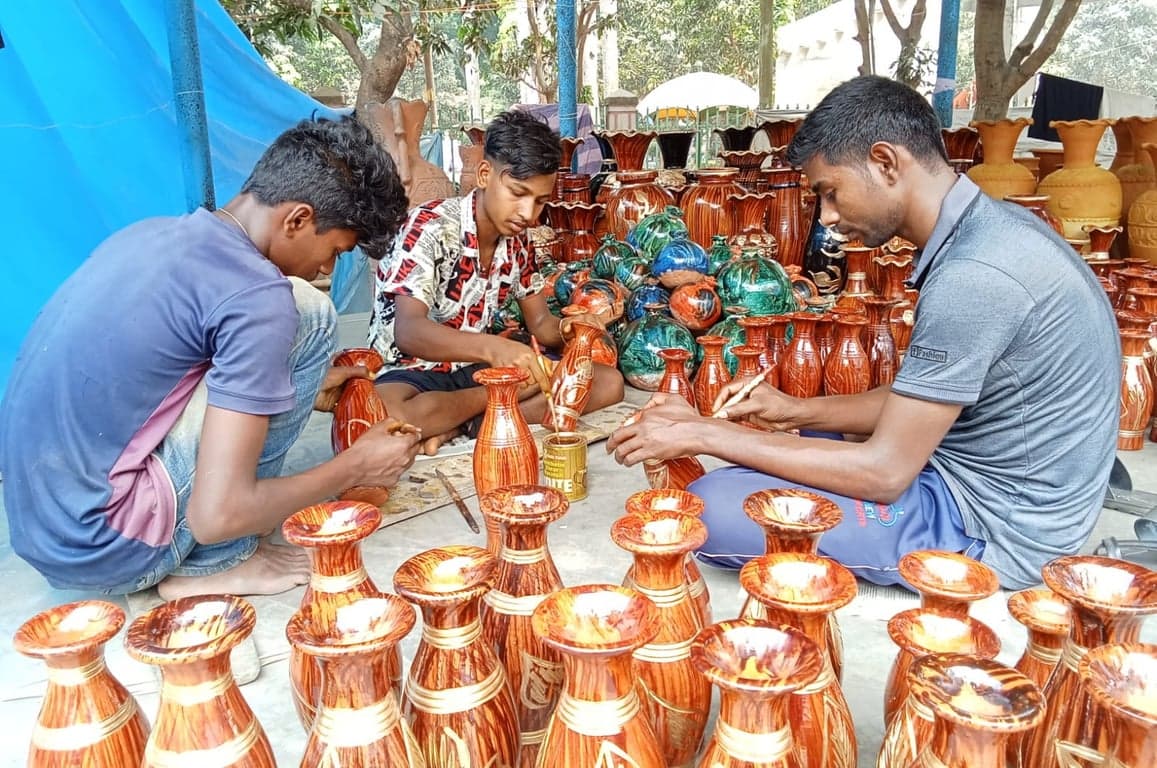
{"x":433,"y":381}
{"x":869,"y":541}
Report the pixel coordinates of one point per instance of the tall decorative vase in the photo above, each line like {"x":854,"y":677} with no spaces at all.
{"x":978,"y":705}
{"x":998,"y":175}
{"x":848,"y":370}
{"x":1081,"y":192}
{"x":332,"y":532}
{"x":712,"y":375}
{"x":1120,"y":679}
{"x":678,"y":698}
{"x":1142,"y":217}
{"x":801,"y":371}
{"x":202,"y":717}
{"x":657,"y":500}
{"x":894,"y":267}
{"x":1048,"y":620}
{"x":1132,"y":164}
{"x":804,"y":591}
{"x":705,"y":204}
{"x":1136,"y":391}
{"x":674,"y":148}
{"x":505,"y":452}
{"x":87,"y":718}
{"x":882,"y":353}
{"x":358,"y":408}
{"x":736,"y":138}
{"x":599,"y":720}
{"x":757,"y":667}
{"x":674,"y":382}
{"x":457,"y":697}
{"x":358,"y":723}
{"x":575,"y":224}
{"x":526,"y":575}
{"x":948,"y":582}
{"x":570,"y":385}
{"x":856,"y":286}
{"x":636,"y":197}
{"x":629,"y":147}
{"x":784,"y":219}
{"x":1110,"y":600}
{"x":749,"y":361}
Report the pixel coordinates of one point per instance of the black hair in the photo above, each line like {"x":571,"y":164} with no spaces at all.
{"x":524,"y":144}
{"x":336,"y":167}
{"x":858,"y":113}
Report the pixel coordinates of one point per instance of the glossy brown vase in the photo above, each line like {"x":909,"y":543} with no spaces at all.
{"x":918,"y":633}
{"x":574,"y":222}
{"x":882,"y":353}
{"x":505,"y":452}
{"x":804,"y":591}
{"x":358,"y":723}
{"x":1048,"y":619}
{"x":202,"y":718}
{"x":712,"y":375}
{"x":332,"y":533}
{"x":856,"y":259}
{"x":751,"y":213}
{"x":801,"y":371}
{"x":674,"y":381}
{"x":628,"y":147}
{"x":979,"y":705}
{"x":684,"y":502}
{"x":636,"y":197}
{"x":948,"y":582}
{"x":750,"y":359}
{"x":998,"y":175}
{"x":570,"y":384}
{"x":87,"y":718}
{"x":677,"y":698}
{"x":457,"y":697}
{"x":894,"y":267}
{"x":757,"y":667}
{"x":784,"y":220}
{"x":358,"y":408}
{"x":526,"y":575}
{"x":599,"y":720}
{"x":1136,"y":391}
{"x":848,"y":370}
{"x":961,"y":143}
{"x":674,"y":474}
{"x":1038,"y":205}
{"x":825,"y":338}
{"x":705,"y":204}
{"x":1121,"y":680}
{"x":1110,"y":599}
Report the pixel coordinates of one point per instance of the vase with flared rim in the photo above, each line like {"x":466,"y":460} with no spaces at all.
{"x":676,"y":361}
{"x":573,"y":376}
{"x":804,"y":591}
{"x":629,"y":147}
{"x":757,"y":667}
{"x":1080,"y":192}
{"x":457,"y":696}
{"x":948,"y":582}
{"x":202,"y":711}
{"x":736,"y":138}
{"x":636,"y":197}
{"x":687,"y":503}
{"x":332,"y":532}
{"x":998,"y":175}
{"x":712,"y":375}
{"x":676,"y":696}
{"x":674,"y":148}
{"x":358,"y":723}
{"x":526,"y":575}
{"x":847,"y":370}
{"x":87,"y":717}
{"x":706,"y":206}
{"x":1134,"y":169}
{"x":599,"y":720}
{"x":1110,"y":600}
{"x":801,"y":370}
{"x":1142,"y":217}
{"x":1137,"y":391}
{"x":1120,"y":678}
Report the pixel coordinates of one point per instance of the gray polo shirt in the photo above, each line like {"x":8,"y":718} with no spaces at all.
{"x":1012,"y":325}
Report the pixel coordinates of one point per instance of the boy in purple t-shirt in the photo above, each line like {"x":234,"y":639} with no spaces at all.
{"x":153,"y":402}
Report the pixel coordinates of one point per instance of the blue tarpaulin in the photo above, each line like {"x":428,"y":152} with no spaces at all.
{"x":88,"y":137}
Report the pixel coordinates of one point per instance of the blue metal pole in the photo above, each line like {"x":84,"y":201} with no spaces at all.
{"x":189,"y":96}
{"x":567,"y":68}
{"x":945,"y":88}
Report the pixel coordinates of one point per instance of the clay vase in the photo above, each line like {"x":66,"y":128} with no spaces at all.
{"x":1100,"y":242}
{"x":696,"y":305}
{"x":505,"y":452}
{"x":677,"y":698}
{"x":526,"y":575}
{"x":1136,"y":391}
{"x":918,"y":633}
{"x":628,"y":147}
{"x":608,"y":256}
{"x":748,"y":163}
{"x":87,"y":718}
{"x":998,"y":175}
{"x":751,"y":213}
{"x":575,"y":225}
{"x":856,"y":259}
{"x":792,"y":519}
{"x":784,"y":220}
{"x":757,"y":667}
{"x":673,"y":474}
{"x":712,"y":375}
{"x":681,"y":261}
{"x":1132,"y":164}
{"x":801,"y":372}
{"x":202,"y":716}
{"x":1082,"y":193}
{"x":882,"y":353}
{"x":719,"y":255}
{"x":759,"y":284}
{"x":961,"y":143}
{"x":1048,"y":619}
{"x":332,"y":532}
{"x":457,"y":697}
{"x":636,"y":197}
{"x":400,"y":123}
{"x":750,"y":359}
{"x":600,"y":297}
{"x":652,"y":233}
{"x":674,"y":148}
{"x":686,"y":503}
{"x":736,"y":138}
{"x":730,"y":329}
{"x":599,"y":720}
{"x":471,"y":156}
{"x":573,"y":187}
{"x":1142,"y":218}
{"x":979,"y":706}
{"x":358,"y":721}
{"x":803,"y":591}
{"x":705,"y":204}
{"x":1123,"y":138}
{"x":570,"y":384}
{"x":848,"y":370}
{"x":948,"y":582}
{"x":893,"y":268}
{"x":674,"y":381}
{"x":780,"y":132}
{"x":358,"y":408}
{"x":824,"y":335}
{"x":1110,"y":599}
{"x":1038,"y":205}
{"x":757,"y":333}
{"x":1120,"y":679}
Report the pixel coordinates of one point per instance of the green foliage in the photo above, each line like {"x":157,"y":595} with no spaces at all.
{"x":1111,"y":44}
{"x":915,"y":67}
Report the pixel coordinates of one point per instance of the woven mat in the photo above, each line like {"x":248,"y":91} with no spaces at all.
{"x":419,"y":491}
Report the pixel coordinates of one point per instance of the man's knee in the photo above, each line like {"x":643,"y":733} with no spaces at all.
{"x":314,"y":308}
{"x":607,"y":388}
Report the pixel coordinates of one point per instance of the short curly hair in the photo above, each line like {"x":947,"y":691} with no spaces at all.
{"x":337,"y":167}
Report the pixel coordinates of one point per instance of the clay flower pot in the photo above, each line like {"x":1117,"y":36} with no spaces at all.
{"x":1121,"y":680}
{"x":998,"y":175}
{"x":1081,"y":192}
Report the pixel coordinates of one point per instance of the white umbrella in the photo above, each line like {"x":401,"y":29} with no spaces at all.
{"x":699,"y":90}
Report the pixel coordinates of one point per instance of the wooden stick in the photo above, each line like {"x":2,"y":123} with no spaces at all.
{"x":739,"y":396}
{"x":462,"y":508}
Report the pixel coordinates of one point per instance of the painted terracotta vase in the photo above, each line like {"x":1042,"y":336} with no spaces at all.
{"x":1136,"y":391}
{"x":1081,"y":192}
{"x":882,"y":352}
{"x":761,"y":285}
{"x":677,"y":697}
{"x":705,"y":204}
{"x":696,"y":305}
{"x":719,"y":254}
{"x":636,"y":197}
{"x":570,"y":385}
{"x":358,"y":408}
{"x":87,"y":717}
{"x":526,"y":575}
{"x":649,"y":292}
{"x":801,"y":370}
{"x":674,"y":474}
{"x":628,"y":147}
{"x":679,"y":262}
{"x":202,"y":717}
{"x":596,"y":296}
{"x":457,"y":696}
{"x":784,"y":220}
{"x":857,"y":257}
{"x":654,"y":231}
{"x":847,"y":370}
{"x":730,"y":329}
{"x":608,"y":256}
{"x":604,"y":351}
{"x":641,"y":342}
{"x":948,"y":582}
{"x":505,"y":452}
{"x":1048,"y":620}
{"x":358,"y":722}
{"x":712,"y":375}
{"x":599,"y":720}
{"x":998,"y":176}
{"x":675,"y":382}
{"x":1120,"y":678}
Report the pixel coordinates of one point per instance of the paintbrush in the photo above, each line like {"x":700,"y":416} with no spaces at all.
{"x":469,"y":518}
{"x":545,"y":387}
{"x":739,"y":396}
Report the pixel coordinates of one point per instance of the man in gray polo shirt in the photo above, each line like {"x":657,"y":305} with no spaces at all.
{"x":997,"y":436}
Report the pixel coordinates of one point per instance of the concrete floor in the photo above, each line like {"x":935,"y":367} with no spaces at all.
{"x":584,"y":553}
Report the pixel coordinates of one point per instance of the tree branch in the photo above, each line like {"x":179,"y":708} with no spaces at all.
{"x":1023,"y":48}
{"x":347,"y":39}
{"x":1052,"y":38}
{"x":893,"y":21}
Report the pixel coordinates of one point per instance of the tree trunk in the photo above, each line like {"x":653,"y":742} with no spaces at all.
{"x":527,"y":94}
{"x":431,"y":91}
{"x":907,"y":70}
{"x":864,"y":37}
{"x":397,"y":50}
{"x":610,"y":46}
{"x":767,"y":54}
{"x":473,"y":76}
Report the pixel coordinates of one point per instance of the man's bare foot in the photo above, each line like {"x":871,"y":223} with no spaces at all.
{"x":271,"y":570}
{"x":431,"y":445}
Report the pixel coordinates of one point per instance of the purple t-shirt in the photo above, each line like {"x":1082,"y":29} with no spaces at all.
{"x":105,"y":372}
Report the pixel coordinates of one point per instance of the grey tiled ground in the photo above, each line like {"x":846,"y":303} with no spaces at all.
{"x":584,"y":553}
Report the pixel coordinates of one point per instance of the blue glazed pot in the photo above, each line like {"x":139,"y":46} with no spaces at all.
{"x":681,"y":261}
